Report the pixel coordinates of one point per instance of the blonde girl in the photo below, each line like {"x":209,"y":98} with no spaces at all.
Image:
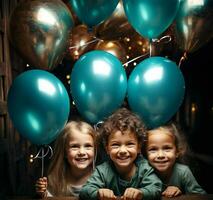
{"x":72,"y":163}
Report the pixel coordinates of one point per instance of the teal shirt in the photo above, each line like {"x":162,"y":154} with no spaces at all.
{"x":106,"y":176}
{"x":183,"y":178}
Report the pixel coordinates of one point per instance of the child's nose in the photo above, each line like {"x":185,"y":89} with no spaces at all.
{"x":122,"y":149}
{"x":81,"y":150}
{"x":161,"y":153}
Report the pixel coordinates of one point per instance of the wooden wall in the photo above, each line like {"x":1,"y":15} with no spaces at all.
{"x":13,"y":168}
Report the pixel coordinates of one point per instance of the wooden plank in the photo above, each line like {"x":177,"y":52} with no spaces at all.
{"x":2,"y":69}
{"x":2,"y":25}
{"x":3,"y":107}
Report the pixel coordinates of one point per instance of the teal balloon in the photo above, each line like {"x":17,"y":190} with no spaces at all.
{"x":93,"y":12}
{"x":150,"y":18}
{"x":38,"y":106}
{"x":156,"y":90}
{"x":98,"y":85}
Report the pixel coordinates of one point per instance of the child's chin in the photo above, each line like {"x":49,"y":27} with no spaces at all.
{"x":83,"y":165}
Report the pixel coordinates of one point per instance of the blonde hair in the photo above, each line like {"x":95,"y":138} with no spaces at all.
{"x":59,"y":167}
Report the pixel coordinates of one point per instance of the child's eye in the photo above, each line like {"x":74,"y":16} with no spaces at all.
{"x":168,"y":148}
{"x":152,"y":150}
{"x":89,"y":146}
{"x":73,"y":147}
{"x":115,"y":145}
{"x":131,"y":144}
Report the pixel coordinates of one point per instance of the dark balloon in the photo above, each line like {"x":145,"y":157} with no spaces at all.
{"x":38,"y":105}
{"x":193,"y":24}
{"x":39,"y":30}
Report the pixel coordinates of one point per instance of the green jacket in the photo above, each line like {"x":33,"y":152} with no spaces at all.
{"x":183,"y":178}
{"x":106,"y":176}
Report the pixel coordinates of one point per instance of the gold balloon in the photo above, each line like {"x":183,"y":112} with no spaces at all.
{"x":81,"y":41}
{"x":39,"y":31}
{"x":115,"y":26}
{"x":113,"y":47}
{"x":193,"y":24}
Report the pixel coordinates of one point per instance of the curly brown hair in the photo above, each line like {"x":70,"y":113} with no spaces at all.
{"x":125,"y":121}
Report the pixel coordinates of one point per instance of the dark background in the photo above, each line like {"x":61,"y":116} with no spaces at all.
{"x":197,"y":70}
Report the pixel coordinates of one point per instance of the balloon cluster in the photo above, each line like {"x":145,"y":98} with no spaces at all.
{"x":113,"y":34}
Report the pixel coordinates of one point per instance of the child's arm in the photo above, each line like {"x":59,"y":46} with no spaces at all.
{"x":90,"y":190}
{"x":41,"y":187}
{"x":149,"y":183}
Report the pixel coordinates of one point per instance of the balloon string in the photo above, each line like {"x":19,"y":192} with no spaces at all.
{"x":41,"y":155}
{"x":150,"y":48}
{"x":96,"y":126}
{"x":87,"y":43}
{"x":184,"y":57}
{"x":165,"y":39}
{"x":125,"y":64}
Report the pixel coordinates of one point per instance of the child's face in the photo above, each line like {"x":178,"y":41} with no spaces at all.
{"x":123,"y":149}
{"x":80,"y":150}
{"x":161,"y":151}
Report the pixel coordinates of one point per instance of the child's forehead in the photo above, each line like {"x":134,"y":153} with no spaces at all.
{"x":76,"y":134}
{"x":118,"y":134}
{"x":160,"y":133}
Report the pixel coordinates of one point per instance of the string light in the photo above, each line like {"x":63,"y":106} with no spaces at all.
{"x":31,"y":158}
{"x":68,"y":76}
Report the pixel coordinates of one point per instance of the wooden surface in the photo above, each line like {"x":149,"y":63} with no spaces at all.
{"x":182,"y":197}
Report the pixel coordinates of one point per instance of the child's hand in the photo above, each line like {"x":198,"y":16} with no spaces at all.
{"x":132,"y":194}
{"x":171,"y":191}
{"x":106,"y":194}
{"x":41,"y":186}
